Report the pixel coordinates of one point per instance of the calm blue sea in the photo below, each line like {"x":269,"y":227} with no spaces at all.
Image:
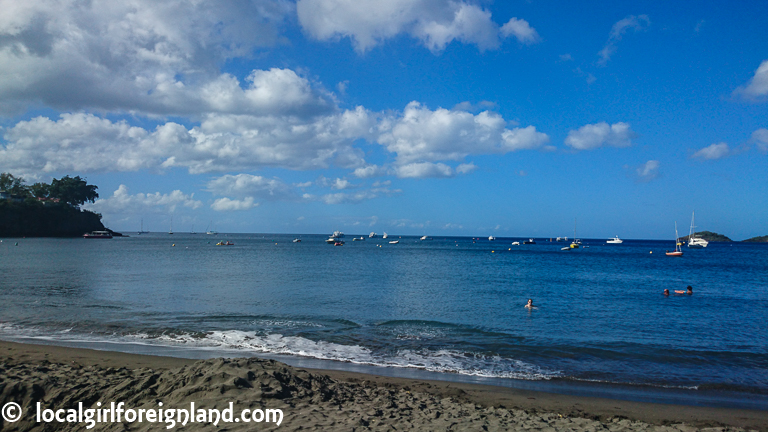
{"x":445,"y":307}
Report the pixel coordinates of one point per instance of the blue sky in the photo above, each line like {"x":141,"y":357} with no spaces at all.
{"x":411,"y":117}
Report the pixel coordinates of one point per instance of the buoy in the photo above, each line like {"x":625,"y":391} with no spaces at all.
{"x":173,"y":245}
{"x":650,"y":252}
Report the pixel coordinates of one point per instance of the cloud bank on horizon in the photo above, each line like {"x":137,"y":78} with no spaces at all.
{"x":226,"y":95}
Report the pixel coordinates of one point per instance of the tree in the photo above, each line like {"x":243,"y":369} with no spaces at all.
{"x":40,"y":190}
{"x":13,"y":185}
{"x":73,"y":191}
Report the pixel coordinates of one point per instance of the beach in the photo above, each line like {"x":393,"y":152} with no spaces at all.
{"x":61,"y":377}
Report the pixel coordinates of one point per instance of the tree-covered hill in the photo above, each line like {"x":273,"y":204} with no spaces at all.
{"x":708,"y":236}
{"x":46,"y":210}
{"x":761,"y":239}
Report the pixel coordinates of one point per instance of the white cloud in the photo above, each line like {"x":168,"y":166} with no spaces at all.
{"x":632,"y":22}
{"x":422,"y":135}
{"x":227,"y":204}
{"x":712,"y":152}
{"x":521,"y":30}
{"x":251,"y":186}
{"x":86,"y":143}
{"x":129,"y":55}
{"x":435,"y":23}
{"x":369,"y":171}
{"x":648,"y":171}
{"x":601,"y":134}
{"x":760,"y":138}
{"x":122,"y":202}
{"x":424,"y":169}
{"x":757,"y":88}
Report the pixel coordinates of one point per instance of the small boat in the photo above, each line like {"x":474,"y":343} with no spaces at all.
{"x":394,"y":242}
{"x":337,"y":234}
{"x":338,"y":243}
{"x":385,"y":235}
{"x":693,"y":241}
{"x":678,"y":250}
{"x":425,"y":238}
{"x":297,"y":240}
{"x":529,"y":241}
{"x":615,"y":240}
{"x":515,"y":243}
{"x":565,"y":248}
{"x":491,"y":238}
{"x":98,"y":235}
{"x":330,"y":240}
{"x":372,"y":235}
{"x":361,"y":238}
{"x":225,"y":243}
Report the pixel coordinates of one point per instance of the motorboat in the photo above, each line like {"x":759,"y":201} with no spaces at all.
{"x":394,"y":242}
{"x":615,"y":240}
{"x":678,"y":250}
{"x":330,"y":240}
{"x":297,"y":240}
{"x":98,"y":235}
{"x":425,"y":238}
{"x":372,"y":235}
{"x":337,"y":234}
{"x":516,"y":243}
{"x":491,"y":238}
{"x":529,"y":241}
{"x":693,"y":241}
{"x":361,"y":238}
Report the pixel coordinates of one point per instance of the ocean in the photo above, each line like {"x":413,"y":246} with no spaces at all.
{"x":445,"y":308}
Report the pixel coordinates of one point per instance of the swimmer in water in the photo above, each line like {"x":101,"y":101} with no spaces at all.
{"x":688,"y":290}
{"x":529,"y":305}
{"x":666,"y":292}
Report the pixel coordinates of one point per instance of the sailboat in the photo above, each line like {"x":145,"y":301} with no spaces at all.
{"x":576,"y":242}
{"x":678,"y":250}
{"x":693,"y":241}
{"x":141,"y":230}
{"x":170,"y":230}
{"x":210,"y":231}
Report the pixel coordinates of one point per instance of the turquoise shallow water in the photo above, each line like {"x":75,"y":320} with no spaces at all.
{"x":453,"y":306}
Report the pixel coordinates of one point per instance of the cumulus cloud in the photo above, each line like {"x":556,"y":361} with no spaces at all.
{"x":369,"y":171}
{"x":714,"y":151}
{"x":355,"y":197}
{"x":521,"y":30}
{"x":632,"y":22}
{"x":130,"y":55}
{"x":122,"y":202}
{"x":423,"y":135}
{"x":648,"y":171}
{"x":760,"y":139}
{"x":601,"y":134}
{"x":251,"y":186}
{"x":226,"y":204}
{"x":435,"y":23}
{"x":757,"y":88}
{"x":424,"y":169}
{"x":86,"y":143}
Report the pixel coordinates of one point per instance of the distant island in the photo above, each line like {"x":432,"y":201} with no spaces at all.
{"x":47,"y":210}
{"x":708,"y":236}
{"x":761,"y":239}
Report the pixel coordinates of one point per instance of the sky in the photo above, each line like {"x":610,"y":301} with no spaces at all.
{"x":421,"y":117}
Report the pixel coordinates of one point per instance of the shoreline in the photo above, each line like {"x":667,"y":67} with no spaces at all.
{"x":414,"y":397}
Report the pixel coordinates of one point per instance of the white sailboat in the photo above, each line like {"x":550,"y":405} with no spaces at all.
{"x":385,"y":235}
{"x":170,"y":230}
{"x":693,"y":241}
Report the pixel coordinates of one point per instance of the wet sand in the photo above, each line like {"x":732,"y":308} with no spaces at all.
{"x":310,"y":399}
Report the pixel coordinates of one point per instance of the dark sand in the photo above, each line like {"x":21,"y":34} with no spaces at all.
{"x":60,"y":377}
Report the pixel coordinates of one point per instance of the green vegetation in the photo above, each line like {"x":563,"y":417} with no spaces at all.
{"x":47,"y":210}
{"x":708,"y":236}
{"x":761,"y":239}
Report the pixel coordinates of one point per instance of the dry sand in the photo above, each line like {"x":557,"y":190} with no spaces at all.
{"x":60,"y":377}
